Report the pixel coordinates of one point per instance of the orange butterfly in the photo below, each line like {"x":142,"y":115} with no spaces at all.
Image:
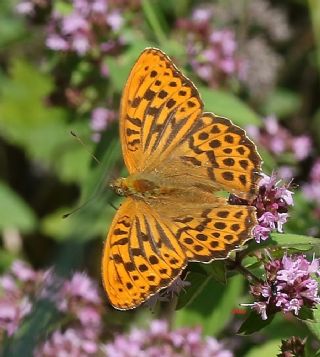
{"x":178,"y":157}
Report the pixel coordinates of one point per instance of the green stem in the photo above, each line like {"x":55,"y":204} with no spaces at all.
{"x":314,"y":9}
{"x":153,"y":19}
{"x":236,"y":265}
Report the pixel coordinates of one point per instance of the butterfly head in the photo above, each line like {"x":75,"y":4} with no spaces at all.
{"x":119,"y":186}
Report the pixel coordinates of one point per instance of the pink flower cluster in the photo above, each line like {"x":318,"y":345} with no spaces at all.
{"x":211,"y":52}
{"x":289,"y":285}
{"x":279,"y":140}
{"x":312,"y":188}
{"x":159,"y":340}
{"x":272,"y":205}
{"x":89,"y":25}
{"x":18,"y":288}
{"x":77,"y":299}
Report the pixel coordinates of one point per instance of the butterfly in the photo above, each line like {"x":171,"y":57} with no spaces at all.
{"x":178,"y":158}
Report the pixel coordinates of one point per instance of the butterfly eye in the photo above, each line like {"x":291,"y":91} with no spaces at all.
{"x":119,"y":191}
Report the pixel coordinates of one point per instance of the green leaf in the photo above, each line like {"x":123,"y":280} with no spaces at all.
{"x":11,"y":26}
{"x":197,"y":283}
{"x":15,"y":213}
{"x":290,"y":240}
{"x":212,"y":308}
{"x":6,"y":259}
{"x":282,"y":102}
{"x":270,"y":348}
{"x":217,"y":269}
{"x":25,"y":120}
{"x":306,"y":314}
{"x":254,"y":323}
{"x":285,"y":241}
{"x":314,"y":8}
{"x":314,"y":326}
{"x":227,"y":105}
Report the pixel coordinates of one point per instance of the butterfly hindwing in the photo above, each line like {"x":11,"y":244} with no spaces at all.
{"x":215,"y":232}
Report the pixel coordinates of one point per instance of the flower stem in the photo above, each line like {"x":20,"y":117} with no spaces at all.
{"x":236,"y":265}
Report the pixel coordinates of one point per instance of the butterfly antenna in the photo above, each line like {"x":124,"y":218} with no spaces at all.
{"x":81,"y":206}
{"x":85,"y":146}
{"x":113,"y":206}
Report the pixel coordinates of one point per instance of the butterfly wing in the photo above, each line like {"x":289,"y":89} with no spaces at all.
{"x":213,"y":232}
{"x":158,"y":107}
{"x":161,"y":120}
{"x":141,"y":255}
{"x":219,"y":152}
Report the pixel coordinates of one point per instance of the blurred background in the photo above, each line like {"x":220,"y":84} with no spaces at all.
{"x":63,"y":65}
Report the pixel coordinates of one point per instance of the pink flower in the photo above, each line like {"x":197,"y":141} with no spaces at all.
{"x":312,"y":189}
{"x":301,"y":146}
{"x":158,"y":340}
{"x":81,"y":287}
{"x":115,"y":20}
{"x":74,"y":23}
{"x":80,"y":44}
{"x":22,"y":271}
{"x":12,"y":312}
{"x":100,"y":118}
{"x":57,"y":43}
{"x":289,"y":285}
{"x":25,"y":8}
{"x":85,"y":27}
{"x":68,"y":343}
{"x":272,"y":205}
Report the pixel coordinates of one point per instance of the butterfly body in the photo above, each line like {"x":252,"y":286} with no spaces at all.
{"x":178,"y":158}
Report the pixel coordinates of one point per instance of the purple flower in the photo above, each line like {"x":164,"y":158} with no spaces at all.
{"x":289,"y":285}
{"x":68,"y":343}
{"x":12,"y":311}
{"x":25,"y":8}
{"x":17,"y":289}
{"x":272,"y":205}
{"x":212,"y":52}
{"x":100,"y":118}
{"x":312,"y":189}
{"x":73,"y":23}
{"x":315,"y":172}
{"x":79,"y":298}
{"x":218,"y":59}
{"x":89,"y":24}
{"x":56,"y":43}
{"x":158,"y":340}
{"x":301,"y":146}
{"x":22,"y":271}
{"x":279,"y":140}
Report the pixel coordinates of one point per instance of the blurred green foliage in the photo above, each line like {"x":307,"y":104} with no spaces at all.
{"x":45,"y":172}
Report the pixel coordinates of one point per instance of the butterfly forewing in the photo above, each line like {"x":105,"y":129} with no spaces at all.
{"x":141,"y":255}
{"x":158,"y":108}
{"x":221,"y":152}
